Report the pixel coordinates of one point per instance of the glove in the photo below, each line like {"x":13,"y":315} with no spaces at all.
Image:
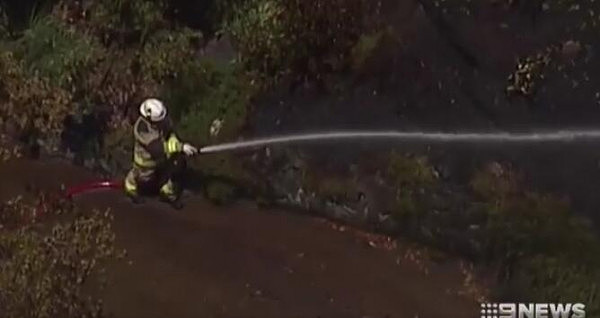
{"x":189,"y":150}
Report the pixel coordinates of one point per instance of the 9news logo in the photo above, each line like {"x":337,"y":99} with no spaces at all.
{"x":531,"y":310}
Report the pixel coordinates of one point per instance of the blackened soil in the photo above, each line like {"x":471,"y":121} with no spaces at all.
{"x":241,"y":261}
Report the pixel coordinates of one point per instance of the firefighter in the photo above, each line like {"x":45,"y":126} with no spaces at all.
{"x":156,"y":146}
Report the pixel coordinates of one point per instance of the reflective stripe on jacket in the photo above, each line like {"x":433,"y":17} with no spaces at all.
{"x":172,"y":145}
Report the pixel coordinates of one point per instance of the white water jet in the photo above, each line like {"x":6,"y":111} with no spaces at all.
{"x":552,"y":136}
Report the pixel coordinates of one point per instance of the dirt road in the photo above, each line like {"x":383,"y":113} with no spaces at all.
{"x":241,"y":261}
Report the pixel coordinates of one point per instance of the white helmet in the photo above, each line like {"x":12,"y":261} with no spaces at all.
{"x":153,"y":109}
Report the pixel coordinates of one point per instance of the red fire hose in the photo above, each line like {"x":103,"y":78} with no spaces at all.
{"x":46,"y":202}
{"x":90,"y":186}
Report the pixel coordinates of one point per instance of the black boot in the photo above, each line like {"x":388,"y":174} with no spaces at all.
{"x":135,"y":198}
{"x":175,"y":203}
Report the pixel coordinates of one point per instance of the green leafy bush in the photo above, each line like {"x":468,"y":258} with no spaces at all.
{"x":299,"y":38}
{"x":548,"y":252}
{"x":331,"y":187}
{"x":545,"y":250}
{"x":202,"y":93}
{"x":414,"y":180}
{"x":52,"y":50}
{"x":220,"y":192}
{"x":260,"y":37}
{"x":207,"y":92}
{"x":167,"y":53}
{"x":30,"y":105}
{"x":518,"y":221}
{"x":46,"y":269}
{"x":562,"y":279}
{"x":224,"y":175}
{"x":411,"y":173}
{"x":364,"y":48}
{"x":125,"y":21}
{"x":494,"y":183}
{"x":553,"y":253}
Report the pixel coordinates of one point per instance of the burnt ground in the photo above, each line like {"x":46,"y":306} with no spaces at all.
{"x":446,"y":70}
{"x":241,"y":261}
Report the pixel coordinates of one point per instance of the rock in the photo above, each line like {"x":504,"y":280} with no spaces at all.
{"x":571,"y":49}
{"x":545,"y":6}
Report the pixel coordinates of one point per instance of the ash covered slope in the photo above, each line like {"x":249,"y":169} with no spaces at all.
{"x":445,"y":65}
{"x":239,"y":261}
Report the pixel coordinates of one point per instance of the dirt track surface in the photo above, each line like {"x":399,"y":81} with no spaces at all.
{"x":240,"y":261}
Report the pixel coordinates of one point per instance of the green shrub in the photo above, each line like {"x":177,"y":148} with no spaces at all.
{"x":224,"y":174}
{"x":518,"y":221}
{"x":219,"y":192}
{"x":554,"y":254}
{"x":208,"y":92}
{"x":370,"y":48}
{"x":128,"y":76}
{"x":46,"y":269}
{"x":168,"y":53}
{"x":126,"y":22}
{"x":562,"y":279}
{"x":366,"y":44}
{"x":260,"y":38}
{"x":184,"y":93}
{"x":300,"y":38}
{"x":494,"y":184}
{"x":414,"y":180}
{"x":548,"y":252}
{"x":52,"y":50}
{"x":528,"y":223}
{"x":411,"y":173}
{"x":30,"y":105}
{"x":339,"y":189}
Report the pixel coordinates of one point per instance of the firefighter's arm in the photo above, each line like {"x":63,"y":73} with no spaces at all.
{"x":174,"y":145}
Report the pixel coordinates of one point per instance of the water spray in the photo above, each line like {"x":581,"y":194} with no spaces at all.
{"x":503,"y":137}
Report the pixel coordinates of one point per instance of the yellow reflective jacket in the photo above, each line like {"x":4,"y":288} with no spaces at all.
{"x":151,"y":148}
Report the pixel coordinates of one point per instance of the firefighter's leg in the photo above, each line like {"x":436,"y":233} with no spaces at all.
{"x":137,"y":177}
{"x":131,"y":185}
{"x":131,"y":182}
{"x":170,"y":193}
{"x":167,"y":190}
